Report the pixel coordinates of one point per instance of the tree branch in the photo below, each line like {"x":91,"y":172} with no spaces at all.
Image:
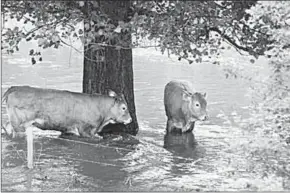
{"x":229,"y":39}
{"x":286,"y":46}
{"x":34,"y":30}
{"x":218,"y":5}
{"x":71,"y":46}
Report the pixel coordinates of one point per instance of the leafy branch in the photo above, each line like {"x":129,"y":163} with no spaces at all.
{"x":229,"y":39}
{"x":176,"y":25}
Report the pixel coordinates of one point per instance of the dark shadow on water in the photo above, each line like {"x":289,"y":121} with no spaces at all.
{"x":185,"y":152}
{"x":117,"y":128}
{"x":181,"y":144}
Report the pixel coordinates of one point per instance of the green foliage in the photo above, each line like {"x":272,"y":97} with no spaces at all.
{"x":190,"y":29}
{"x":194,"y":29}
{"x":51,"y":20}
{"x":274,"y":18}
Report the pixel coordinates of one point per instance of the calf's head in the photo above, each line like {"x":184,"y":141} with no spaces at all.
{"x":119,"y":110}
{"x":195,"y":105}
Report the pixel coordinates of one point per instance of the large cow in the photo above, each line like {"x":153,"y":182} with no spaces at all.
{"x":183,"y":106}
{"x":61,"y":110}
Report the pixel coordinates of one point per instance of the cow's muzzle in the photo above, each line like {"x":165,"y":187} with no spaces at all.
{"x":203,"y":118}
{"x":128,"y":121}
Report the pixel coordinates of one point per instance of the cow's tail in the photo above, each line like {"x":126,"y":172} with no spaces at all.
{"x":4,"y":99}
{"x":9,"y":135}
{"x":10,"y":90}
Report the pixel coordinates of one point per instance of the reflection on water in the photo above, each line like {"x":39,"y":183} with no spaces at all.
{"x":181,"y":144}
{"x":183,"y":147}
{"x":212,"y":157}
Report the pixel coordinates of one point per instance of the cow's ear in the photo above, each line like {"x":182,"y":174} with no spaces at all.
{"x":186,"y":96}
{"x":204,"y":95}
{"x":112,"y":93}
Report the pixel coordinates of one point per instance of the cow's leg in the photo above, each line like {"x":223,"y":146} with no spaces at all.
{"x":71,"y":131}
{"x":13,"y":126}
{"x":169,"y":126}
{"x":40,"y":123}
{"x":84,"y":131}
{"x":84,"y":134}
{"x":22,"y":119}
{"x":100,"y":128}
{"x":43,"y":124}
{"x":9,"y":130}
{"x":93,"y":131}
{"x":188,"y":127}
{"x":191,"y":127}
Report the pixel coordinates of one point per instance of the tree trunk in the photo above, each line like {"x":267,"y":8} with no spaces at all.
{"x":109,"y":68}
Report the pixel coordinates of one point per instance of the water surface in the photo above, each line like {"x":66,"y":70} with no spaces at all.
{"x":215,"y":156}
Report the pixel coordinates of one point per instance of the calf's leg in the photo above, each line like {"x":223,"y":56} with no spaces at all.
{"x":169,"y":125}
{"x":191,"y":127}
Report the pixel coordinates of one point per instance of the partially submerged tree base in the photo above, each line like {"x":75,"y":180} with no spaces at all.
{"x":115,"y":72}
{"x":106,"y":67}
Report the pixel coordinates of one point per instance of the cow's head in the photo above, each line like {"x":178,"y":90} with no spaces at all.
{"x":195,"y":105}
{"x":119,"y":110}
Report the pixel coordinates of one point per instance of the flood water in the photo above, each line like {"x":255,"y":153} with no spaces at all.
{"x":215,"y":157}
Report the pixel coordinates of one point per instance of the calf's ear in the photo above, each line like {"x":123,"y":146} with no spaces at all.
{"x":112,"y":93}
{"x":204,"y":95}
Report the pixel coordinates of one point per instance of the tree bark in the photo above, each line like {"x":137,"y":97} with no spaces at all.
{"x":109,"y":68}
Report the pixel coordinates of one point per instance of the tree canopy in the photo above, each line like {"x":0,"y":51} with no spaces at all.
{"x":188,"y":29}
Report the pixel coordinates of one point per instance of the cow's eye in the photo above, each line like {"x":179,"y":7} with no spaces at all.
{"x":196,"y":104}
{"x":124,"y":108}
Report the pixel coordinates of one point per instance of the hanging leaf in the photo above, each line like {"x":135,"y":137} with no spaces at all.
{"x":28,"y":39}
{"x":252,"y":61}
{"x":31,"y":52}
{"x":80,"y":32}
{"x":33,"y":61}
{"x":11,"y":43}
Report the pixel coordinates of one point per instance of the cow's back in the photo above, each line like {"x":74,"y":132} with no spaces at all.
{"x":173,"y":94}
